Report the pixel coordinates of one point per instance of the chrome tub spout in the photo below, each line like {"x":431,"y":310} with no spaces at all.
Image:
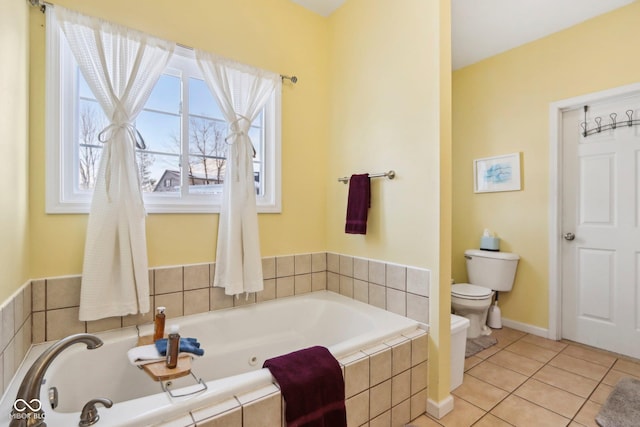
{"x":27,"y":410}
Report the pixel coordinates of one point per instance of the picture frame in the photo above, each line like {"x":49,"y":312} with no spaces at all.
{"x":497,"y":173}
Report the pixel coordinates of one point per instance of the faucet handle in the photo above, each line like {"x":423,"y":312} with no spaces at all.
{"x":89,"y":415}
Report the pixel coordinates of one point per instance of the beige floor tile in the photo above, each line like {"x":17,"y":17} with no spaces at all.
{"x":506,"y":336}
{"x":556,"y":400}
{"x":491,"y":421}
{"x":532,"y":351}
{"x":565,"y":380}
{"x":488,"y":352}
{"x":479,"y":393}
{"x":613,"y":376}
{"x":522,"y":413}
{"x":587,"y":415}
{"x":470,"y":362}
{"x":601,"y":393}
{"x":579,"y":366}
{"x":424,"y":421}
{"x":556,"y":346}
{"x":464,"y":414}
{"x":628,"y":367}
{"x":498,"y":376}
{"x":515,"y":362}
{"x":592,"y":355}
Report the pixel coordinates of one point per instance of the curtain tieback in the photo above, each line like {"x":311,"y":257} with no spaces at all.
{"x":105,"y":136}
{"x":236,"y":131}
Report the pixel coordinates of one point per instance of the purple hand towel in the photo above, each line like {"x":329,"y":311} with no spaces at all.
{"x":358,"y":204}
{"x":312,"y":386}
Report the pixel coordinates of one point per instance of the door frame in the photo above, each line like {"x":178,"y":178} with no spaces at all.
{"x":556,"y":110}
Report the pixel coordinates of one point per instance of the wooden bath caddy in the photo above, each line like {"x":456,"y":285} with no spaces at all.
{"x":158,"y":371}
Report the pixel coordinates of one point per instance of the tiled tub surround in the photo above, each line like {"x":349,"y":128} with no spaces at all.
{"x":47,"y":309}
{"x":384,"y":358}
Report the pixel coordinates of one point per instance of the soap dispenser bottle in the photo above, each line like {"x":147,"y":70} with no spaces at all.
{"x":173,"y":347}
{"x":158,"y":324}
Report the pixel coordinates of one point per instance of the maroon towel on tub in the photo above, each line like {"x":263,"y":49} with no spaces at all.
{"x":358,"y":204}
{"x":312,"y":386}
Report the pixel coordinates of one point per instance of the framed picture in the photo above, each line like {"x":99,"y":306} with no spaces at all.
{"x":499,"y":173}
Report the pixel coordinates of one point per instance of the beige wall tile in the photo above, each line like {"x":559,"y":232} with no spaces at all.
{"x":38,"y":295}
{"x":319,"y":262}
{"x":285,"y":286}
{"x":173,"y":302}
{"x":2,"y":376}
{"x":196,"y":301}
{"x":183,"y":421}
{"x":400,"y":355}
{"x":140,"y":318}
{"x":401,"y":413}
{"x":319,"y":281}
{"x":104,"y":324}
{"x":418,"y":280}
{"x":383,"y":420}
{"x":419,"y":349}
{"x":346,"y":286}
{"x":418,"y":404}
{"x":302,"y":264}
{"x":419,"y":378}
{"x":377,"y":272}
{"x":380,"y":366}
{"x":358,"y":409}
{"x":285,"y":266}
{"x":215,"y":410}
{"x":63,"y":322}
{"x":401,"y":388}
{"x":38,"y":328}
{"x":333,"y":282}
{"x":18,"y":310}
{"x":396,"y":277}
{"x":356,"y":377}
{"x":8,"y":325}
{"x":63,"y":292}
{"x":397,"y":301}
{"x":168,"y":280}
{"x":380,"y":396}
{"x":361,"y":290}
{"x":219,"y":300}
{"x":228,"y":419}
{"x":302,"y":283}
{"x":244,"y":299}
{"x":196,"y":276}
{"x":8,"y":364}
{"x":361,"y":269}
{"x":418,"y":308}
{"x":266,"y":411}
{"x":378,"y":296}
{"x":269,"y":268}
{"x":346,"y":266}
{"x":269,"y":291}
{"x":333,"y":262}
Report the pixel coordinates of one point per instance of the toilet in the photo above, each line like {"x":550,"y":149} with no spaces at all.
{"x":488,"y":272}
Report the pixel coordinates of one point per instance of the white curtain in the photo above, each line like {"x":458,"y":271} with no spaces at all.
{"x":121,"y":66}
{"x":241,"y":92}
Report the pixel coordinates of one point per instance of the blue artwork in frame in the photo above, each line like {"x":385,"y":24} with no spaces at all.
{"x":498,"y":173}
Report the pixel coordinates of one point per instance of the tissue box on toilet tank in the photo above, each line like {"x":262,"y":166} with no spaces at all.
{"x":489,"y":243}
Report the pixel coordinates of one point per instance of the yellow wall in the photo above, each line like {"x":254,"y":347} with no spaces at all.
{"x":501,"y":106}
{"x":272,"y":34}
{"x":14,"y":148}
{"x":385,"y":84}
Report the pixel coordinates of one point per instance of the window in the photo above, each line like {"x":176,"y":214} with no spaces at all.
{"x":182,"y":166}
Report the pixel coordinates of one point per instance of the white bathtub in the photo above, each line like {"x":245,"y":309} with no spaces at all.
{"x":236,"y":342}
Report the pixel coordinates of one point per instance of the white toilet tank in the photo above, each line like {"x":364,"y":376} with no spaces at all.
{"x":493,"y":270}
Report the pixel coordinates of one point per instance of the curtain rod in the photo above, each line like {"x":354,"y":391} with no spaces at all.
{"x":43,"y":7}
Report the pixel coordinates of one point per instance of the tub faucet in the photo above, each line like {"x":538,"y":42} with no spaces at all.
{"x":27,"y":409}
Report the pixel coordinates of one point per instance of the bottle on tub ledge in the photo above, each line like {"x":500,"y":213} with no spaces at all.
{"x":158,"y":324}
{"x":173,"y":347}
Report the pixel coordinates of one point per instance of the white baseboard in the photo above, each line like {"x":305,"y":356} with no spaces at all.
{"x":440,"y":409}
{"x":525,"y":327}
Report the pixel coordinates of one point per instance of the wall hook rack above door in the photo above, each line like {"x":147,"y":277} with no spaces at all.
{"x":613,"y":124}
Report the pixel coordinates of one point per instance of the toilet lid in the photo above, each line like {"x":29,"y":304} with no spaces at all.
{"x":469,"y":291}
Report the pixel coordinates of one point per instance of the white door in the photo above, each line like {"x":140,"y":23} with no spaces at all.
{"x":600,"y":226}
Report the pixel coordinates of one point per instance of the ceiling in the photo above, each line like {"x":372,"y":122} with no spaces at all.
{"x":483,"y":28}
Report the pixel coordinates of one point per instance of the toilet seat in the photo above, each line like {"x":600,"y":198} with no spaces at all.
{"x":469,"y":291}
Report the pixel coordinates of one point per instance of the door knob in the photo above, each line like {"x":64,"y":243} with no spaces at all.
{"x":569,"y":236}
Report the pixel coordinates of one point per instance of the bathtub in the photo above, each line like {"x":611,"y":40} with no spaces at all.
{"x":236,"y":341}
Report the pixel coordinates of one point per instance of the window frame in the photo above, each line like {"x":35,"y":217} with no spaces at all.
{"x":61,"y":112}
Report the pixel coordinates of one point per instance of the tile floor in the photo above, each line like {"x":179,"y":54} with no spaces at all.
{"x":526,"y":380}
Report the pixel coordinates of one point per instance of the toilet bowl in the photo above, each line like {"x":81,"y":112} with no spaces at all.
{"x":472,"y":302}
